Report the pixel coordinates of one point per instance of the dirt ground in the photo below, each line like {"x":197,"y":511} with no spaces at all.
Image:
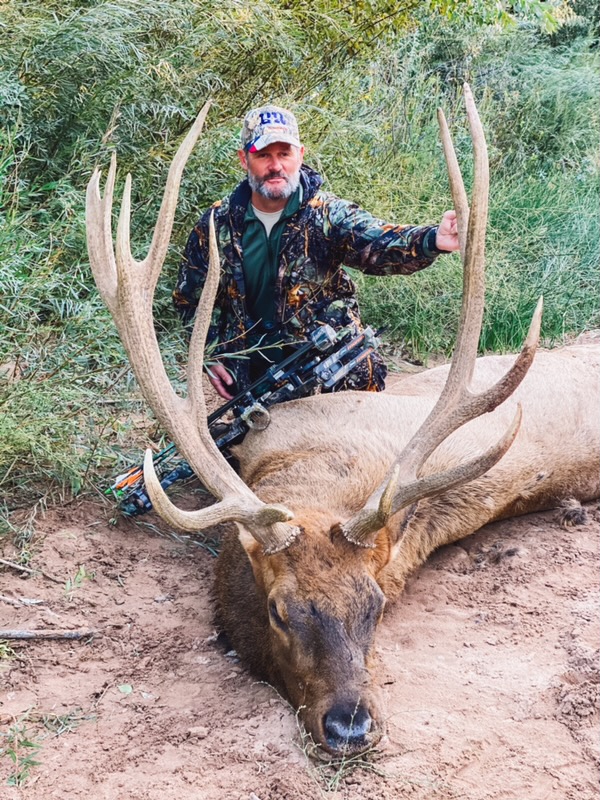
{"x":487,"y":666}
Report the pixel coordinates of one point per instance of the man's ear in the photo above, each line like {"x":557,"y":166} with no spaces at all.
{"x":243,"y":159}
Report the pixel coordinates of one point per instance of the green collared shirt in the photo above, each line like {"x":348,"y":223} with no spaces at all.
{"x":261,"y":267}
{"x":261,"y":260}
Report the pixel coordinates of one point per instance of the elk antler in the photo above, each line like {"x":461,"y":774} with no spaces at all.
{"x":127,"y":287}
{"x":457,"y":404}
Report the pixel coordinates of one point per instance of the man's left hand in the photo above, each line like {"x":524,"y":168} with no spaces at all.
{"x":447,"y":233}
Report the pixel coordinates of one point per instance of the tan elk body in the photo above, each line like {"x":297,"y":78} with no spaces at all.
{"x":343,"y":495}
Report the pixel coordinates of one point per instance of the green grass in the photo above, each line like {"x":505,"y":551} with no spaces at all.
{"x":21,"y":743}
{"x":6,"y":651}
{"x":21,"y":748}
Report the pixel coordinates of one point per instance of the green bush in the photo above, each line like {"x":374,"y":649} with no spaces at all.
{"x":540,"y":110}
{"x":79,"y":80}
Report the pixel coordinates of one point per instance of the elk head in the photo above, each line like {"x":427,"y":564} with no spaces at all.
{"x":303,"y":606}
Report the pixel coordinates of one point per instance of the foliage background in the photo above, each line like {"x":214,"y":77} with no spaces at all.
{"x":80,"y":79}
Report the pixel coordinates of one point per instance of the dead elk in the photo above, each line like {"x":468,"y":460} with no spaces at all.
{"x":344,"y":495}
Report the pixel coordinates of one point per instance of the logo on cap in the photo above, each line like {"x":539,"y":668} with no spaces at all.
{"x":268,"y":124}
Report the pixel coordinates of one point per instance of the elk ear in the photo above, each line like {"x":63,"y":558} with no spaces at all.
{"x":259,"y":561}
{"x":383,"y":551}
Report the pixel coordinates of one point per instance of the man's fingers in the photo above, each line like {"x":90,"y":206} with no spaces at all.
{"x":222,"y":392}
{"x":220,"y":389}
{"x":449,"y":221}
{"x":220,"y":373}
{"x":224,"y":375}
{"x":220,"y":378}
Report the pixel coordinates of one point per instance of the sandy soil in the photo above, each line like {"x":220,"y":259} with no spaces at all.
{"x":486,"y":663}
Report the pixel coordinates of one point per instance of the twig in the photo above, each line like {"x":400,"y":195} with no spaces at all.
{"x":9,"y":600}
{"x":9,"y":470}
{"x":20,"y":601}
{"x":9,"y":634}
{"x":20,"y":568}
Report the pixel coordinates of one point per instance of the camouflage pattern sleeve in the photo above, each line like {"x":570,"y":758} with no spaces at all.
{"x":376,"y":247}
{"x":191,"y":276}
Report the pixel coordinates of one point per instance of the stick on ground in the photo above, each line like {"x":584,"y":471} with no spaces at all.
{"x":20,"y":568}
{"x":20,"y":601}
{"x":49,"y":634}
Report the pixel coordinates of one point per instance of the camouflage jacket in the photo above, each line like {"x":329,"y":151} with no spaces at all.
{"x":312,"y":287}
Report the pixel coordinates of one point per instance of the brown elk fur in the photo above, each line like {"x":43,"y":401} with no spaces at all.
{"x":323,"y":456}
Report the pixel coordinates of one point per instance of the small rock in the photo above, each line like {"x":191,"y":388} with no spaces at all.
{"x":198,"y":732}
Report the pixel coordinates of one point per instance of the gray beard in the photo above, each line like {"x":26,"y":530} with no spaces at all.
{"x":258,"y":185}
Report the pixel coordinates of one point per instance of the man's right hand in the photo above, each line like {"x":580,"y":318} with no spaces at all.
{"x":220,"y":379}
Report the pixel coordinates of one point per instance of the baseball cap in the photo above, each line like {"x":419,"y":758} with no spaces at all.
{"x":268,"y":124}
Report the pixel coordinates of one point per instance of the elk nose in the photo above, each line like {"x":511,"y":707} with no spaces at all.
{"x":346,"y":726}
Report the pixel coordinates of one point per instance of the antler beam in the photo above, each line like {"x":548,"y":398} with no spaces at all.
{"x":457,"y":404}
{"x":127,"y":287}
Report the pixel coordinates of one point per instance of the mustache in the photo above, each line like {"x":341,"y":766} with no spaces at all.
{"x":275,"y":175}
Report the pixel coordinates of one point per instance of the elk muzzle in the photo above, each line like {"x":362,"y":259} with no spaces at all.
{"x":347,"y":727}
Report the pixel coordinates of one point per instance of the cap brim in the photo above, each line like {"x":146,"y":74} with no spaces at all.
{"x":271,"y":138}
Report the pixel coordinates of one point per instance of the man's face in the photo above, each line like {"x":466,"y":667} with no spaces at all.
{"x":274,"y":171}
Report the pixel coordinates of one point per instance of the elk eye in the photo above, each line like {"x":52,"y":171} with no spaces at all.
{"x":276,"y":618}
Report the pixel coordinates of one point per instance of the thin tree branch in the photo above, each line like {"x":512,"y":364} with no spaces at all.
{"x":50,"y":634}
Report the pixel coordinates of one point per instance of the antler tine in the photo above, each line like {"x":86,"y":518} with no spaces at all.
{"x":263,"y":521}
{"x":388,"y":500}
{"x":128,"y":268}
{"x":392,"y":496}
{"x":471,"y":315}
{"x":99,"y":234}
{"x":456,"y":404}
{"x":199,"y":334}
{"x":164,"y":224}
{"x":127,"y":287}
{"x":457,"y":186}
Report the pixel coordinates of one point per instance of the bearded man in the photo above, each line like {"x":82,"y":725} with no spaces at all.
{"x":283,"y":242}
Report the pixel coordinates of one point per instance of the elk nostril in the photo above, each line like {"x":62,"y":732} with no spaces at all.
{"x":346,"y":725}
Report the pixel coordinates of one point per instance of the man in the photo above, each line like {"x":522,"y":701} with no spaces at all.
{"x":282,"y":242}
